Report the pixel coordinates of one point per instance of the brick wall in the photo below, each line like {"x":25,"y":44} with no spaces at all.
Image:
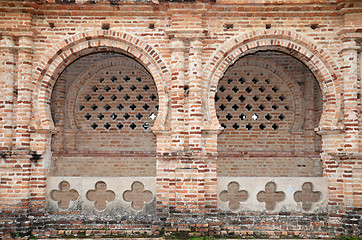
{"x":54,"y":53}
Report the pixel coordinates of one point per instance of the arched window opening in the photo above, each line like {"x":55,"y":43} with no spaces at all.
{"x":103,"y":106}
{"x":269,"y":104}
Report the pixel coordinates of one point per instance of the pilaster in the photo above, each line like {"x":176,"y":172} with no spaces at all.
{"x":177,"y":95}
{"x":350,"y":92}
{"x":195,"y":95}
{"x":7,"y":81}
{"x":23,"y":108}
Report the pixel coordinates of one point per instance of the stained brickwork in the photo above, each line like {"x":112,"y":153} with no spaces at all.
{"x":174,"y":98}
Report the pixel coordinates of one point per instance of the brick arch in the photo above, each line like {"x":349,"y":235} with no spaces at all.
{"x":291,"y":43}
{"x":68,"y":50}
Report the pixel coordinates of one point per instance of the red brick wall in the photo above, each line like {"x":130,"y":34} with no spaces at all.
{"x":116,"y":165}
{"x":186,"y":52}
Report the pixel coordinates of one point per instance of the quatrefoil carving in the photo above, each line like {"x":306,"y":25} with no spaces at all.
{"x":234,"y":196}
{"x":138,"y":196}
{"x":100,"y":196}
{"x":270,"y":196}
{"x":307,"y":196}
{"x":64,"y":195}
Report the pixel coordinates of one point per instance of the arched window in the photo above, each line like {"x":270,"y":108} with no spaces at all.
{"x":268,"y":104}
{"x":104,"y":106}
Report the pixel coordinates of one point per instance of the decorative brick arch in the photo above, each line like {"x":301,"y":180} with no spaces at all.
{"x":68,"y":50}
{"x":316,"y":59}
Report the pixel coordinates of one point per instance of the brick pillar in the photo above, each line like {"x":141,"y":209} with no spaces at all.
{"x":348,"y":165}
{"x":16,"y":168}
{"x":7,"y":78}
{"x":210,"y":187}
{"x":350,"y":91}
{"x":177,"y":95}
{"x":207,"y":166}
{"x":186,"y":177}
{"x":22,"y":117}
{"x":23,"y":110}
{"x":166,"y":163}
{"x":339,"y":159}
{"x":195,"y":95}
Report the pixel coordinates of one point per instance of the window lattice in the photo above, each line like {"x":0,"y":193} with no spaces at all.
{"x":253,"y":99}
{"x":117,"y":98}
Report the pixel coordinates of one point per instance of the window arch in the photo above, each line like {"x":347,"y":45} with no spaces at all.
{"x":104,"y":106}
{"x":261,"y":103}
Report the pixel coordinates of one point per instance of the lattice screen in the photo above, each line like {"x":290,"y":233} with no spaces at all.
{"x":253,"y":99}
{"x":256,"y":109}
{"x":117,"y":98}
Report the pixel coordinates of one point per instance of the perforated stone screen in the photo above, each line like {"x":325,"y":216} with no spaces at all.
{"x":117,"y":99}
{"x":255,"y":108}
{"x":116,"y":108}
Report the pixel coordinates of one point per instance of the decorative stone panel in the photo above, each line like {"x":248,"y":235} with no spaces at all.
{"x":54,"y":184}
{"x":233,"y":195}
{"x":270,"y":196}
{"x":64,"y":195}
{"x":274,"y":194}
{"x":100,"y":196}
{"x":307,"y":196}
{"x":105,"y":195}
{"x":138,"y":196}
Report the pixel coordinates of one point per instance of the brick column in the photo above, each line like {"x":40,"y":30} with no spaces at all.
{"x":16,"y":168}
{"x":348,"y":165}
{"x":350,"y":91}
{"x":339,"y":162}
{"x":186,"y":178}
{"x":7,"y":78}
{"x":186,"y":187}
{"x":195,"y":95}
{"x":22,"y":129}
{"x":177,"y":95}
{"x":167,"y":163}
{"x":23,"y":110}
{"x":206,"y":163}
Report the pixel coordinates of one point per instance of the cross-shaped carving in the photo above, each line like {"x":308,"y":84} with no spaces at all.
{"x":270,"y":196}
{"x":233,"y":196}
{"x":307,"y":196}
{"x":100,"y":195}
{"x":63,"y":196}
{"x":138,"y":196}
